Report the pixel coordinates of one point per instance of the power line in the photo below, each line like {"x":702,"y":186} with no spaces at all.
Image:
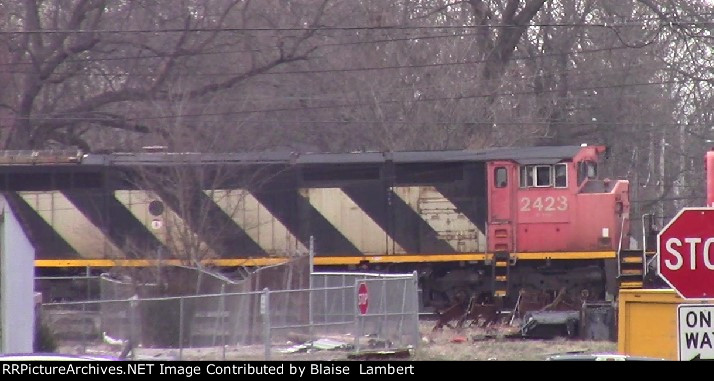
{"x":411,"y":88}
{"x":641,"y":21}
{"x":409,"y":122}
{"x":152,"y":56}
{"x":271,"y":48}
{"x":362,"y":104}
{"x":458,"y":98}
{"x":500,"y":123}
{"x":346,"y":70}
{"x":576,"y":70}
{"x":346,"y":28}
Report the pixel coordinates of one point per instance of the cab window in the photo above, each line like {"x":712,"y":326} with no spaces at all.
{"x":561,"y":175}
{"x":526,"y":176}
{"x":500,"y":177}
{"x":536,"y":176}
{"x":542,"y":176}
{"x":587,"y":170}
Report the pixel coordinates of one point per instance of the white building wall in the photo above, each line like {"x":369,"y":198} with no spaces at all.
{"x":17,"y":309}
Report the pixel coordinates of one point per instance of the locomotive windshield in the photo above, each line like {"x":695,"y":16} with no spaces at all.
{"x":542,"y":176}
{"x":586,"y":170}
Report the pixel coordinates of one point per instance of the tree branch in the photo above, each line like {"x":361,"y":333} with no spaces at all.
{"x":440,"y":9}
{"x":233,"y":81}
{"x":85,"y":42}
{"x":96,"y":117}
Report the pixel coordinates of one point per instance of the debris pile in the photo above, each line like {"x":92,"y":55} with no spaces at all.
{"x":541,"y":315}
{"x":317,"y":345}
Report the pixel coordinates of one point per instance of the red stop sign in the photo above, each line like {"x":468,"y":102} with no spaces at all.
{"x":362,"y":300}
{"x":686,"y":253}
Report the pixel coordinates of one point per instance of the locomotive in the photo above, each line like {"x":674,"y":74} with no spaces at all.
{"x":483,"y":222}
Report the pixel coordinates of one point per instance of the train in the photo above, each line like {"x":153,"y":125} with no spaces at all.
{"x":480,"y":222}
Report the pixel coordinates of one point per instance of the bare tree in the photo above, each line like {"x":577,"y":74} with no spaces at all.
{"x":93,"y":64}
{"x":231,"y":75}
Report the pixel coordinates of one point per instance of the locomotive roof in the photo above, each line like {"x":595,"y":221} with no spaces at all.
{"x":523,"y":155}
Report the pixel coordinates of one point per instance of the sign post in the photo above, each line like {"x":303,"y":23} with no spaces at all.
{"x":362,"y":307}
{"x":686,"y":262}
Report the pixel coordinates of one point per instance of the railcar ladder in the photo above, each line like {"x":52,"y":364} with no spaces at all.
{"x":500,"y":266}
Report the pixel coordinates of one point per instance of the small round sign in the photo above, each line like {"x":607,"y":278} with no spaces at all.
{"x":362,"y":299}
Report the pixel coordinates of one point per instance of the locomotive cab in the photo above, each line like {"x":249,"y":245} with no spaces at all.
{"x":556,"y":205}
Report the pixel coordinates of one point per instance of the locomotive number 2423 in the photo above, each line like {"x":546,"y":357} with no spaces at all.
{"x":544,"y":204}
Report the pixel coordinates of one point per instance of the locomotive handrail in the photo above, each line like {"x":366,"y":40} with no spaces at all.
{"x":649,"y":263}
{"x":645,"y":264}
{"x":644,"y":234}
{"x":619,"y":246}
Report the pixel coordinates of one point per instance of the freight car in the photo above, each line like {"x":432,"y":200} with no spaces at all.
{"x":488,"y":222}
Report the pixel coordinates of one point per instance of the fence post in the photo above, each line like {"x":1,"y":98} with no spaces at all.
{"x":181,"y":328}
{"x":403,"y":313}
{"x":133,"y":306}
{"x":343,"y":307}
{"x":265,"y":311}
{"x":88,"y":274}
{"x":86,"y":329}
{"x":417,"y":336}
{"x":384,"y":327}
{"x":359,"y":319}
{"x":222,"y":319}
{"x":310,"y":306}
{"x":84,"y":309}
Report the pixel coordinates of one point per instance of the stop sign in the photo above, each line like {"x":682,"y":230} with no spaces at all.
{"x":686,"y":253}
{"x":362,"y":300}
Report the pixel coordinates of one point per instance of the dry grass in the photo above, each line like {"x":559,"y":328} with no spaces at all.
{"x":470,"y":344}
{"x":509,"y":350}
{"x":480,"y":344}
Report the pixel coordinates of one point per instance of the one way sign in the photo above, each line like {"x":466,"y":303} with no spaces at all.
{"x":695,"y":323}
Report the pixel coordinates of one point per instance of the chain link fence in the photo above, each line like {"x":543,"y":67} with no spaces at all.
{"x":273,"y":312}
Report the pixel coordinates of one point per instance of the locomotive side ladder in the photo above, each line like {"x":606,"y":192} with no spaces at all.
{"x":630,"y":267}
{"x":501,"y":229}
{"x":632,"y":264}
{"x":500,"y":266}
